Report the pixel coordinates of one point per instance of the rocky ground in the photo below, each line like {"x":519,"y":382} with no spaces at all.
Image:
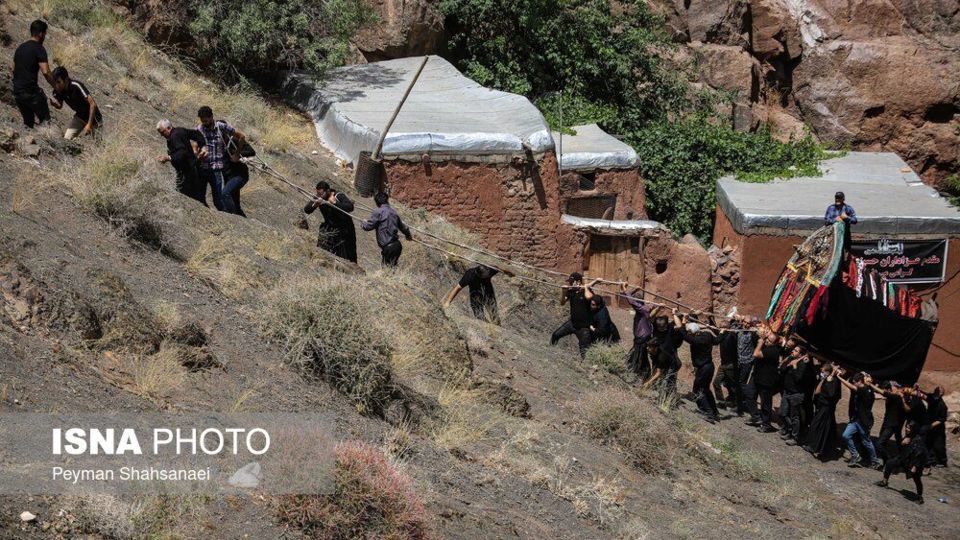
{"x":504,"y":436}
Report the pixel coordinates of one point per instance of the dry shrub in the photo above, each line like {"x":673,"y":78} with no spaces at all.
{"x":424,"y":342}
{"x":610,"y":358}
{"x":116,"y":186}
{"x":372,"y":499}
{"x":103,"y":514}
{"x":154,"y":377}
{"x":621,"y":419}
{"x":285,"y":248}
{"x":466,"y":419}
{"x":158,"y":375}
{"x":327,"y":328}
{"x":231,"y":273}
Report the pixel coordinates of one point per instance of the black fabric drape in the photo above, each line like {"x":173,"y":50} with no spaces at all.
{"x":863,"y":334}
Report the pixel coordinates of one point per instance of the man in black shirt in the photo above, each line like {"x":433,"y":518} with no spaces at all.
{"x":793,"y":372}
{"x":578,"y":297}
{"x":702,"y":341}
{"x":662,"y":349}
{"x":72,"y":92}
{"x":861,"y":419}
{"x":766,"y":375}
{"x":29,"y":59}
{"x":184,"y":148}
{"x":728,"y":373}
{"x":602,"y":328}
{"x":483,"y":299}
{"x":337,"y":233}
{"x":893,"y":418}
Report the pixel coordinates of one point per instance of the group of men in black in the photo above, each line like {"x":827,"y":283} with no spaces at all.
{"x":30,"y":60}
{"x":755,"y":366}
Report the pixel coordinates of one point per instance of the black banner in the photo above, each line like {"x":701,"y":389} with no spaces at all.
{"x":903,"y":261}
{"x":862,"y":334}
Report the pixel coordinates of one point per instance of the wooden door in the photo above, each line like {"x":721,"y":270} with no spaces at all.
{"x":616,"y":258}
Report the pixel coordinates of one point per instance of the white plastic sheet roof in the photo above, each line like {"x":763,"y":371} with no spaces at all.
{"x":623,"y":226}
{"x":888,"y":196}
{"x":446,"y":112}
{"x":593,"y":148}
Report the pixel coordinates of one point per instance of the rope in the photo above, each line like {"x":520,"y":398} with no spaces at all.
{"x":264,"y":167}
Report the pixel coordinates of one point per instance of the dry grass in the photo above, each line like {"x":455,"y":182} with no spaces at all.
{"x":610,"y":358}
{"x":155,"y":377}
{"x":231,"y":273}
{"x":158,"y":517}
{"x":275,"y":130}
{"x":285,"y":248}
{"x":327,"y":328}
{"x":743,"y":462}
{"x":466,"y":419}
{"x":111,"y":183}
{"x":621,"y":419}
{"x":167,"y":314}
{"x":424,"y":342}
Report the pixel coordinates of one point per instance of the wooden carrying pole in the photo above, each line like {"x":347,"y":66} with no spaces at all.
{"x":383,"y":135}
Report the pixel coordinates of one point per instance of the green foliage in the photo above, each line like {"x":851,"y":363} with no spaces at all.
{"x":605,"y":62}
{"x":953,"y":187}
{"x":682,"y":161}
{"x":258,"y":37}
{"x":612,"y":63}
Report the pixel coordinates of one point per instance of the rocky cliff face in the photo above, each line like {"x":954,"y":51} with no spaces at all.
{"x":405,"y":28}
{"x":871,"y":74}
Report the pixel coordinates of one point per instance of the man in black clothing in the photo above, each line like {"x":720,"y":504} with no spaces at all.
{"x":662,"y":348}
{"x":893,"y":419}
{"x":937,"y":429}
{"x":728,"y":374}
{"x":766,"y":375}
{"x":702,"y":341}
{"x":87,"y":115}
{"x":746,"y":344}
{"x":578,"y":297}
{"x":913,"y":406}
{"x":483,"y":299}
{"x":184,"y":148}
{"x":860,"y":419}
{"x":793,"y":374}
{"x":29,"y":59}
{"x":337,"y":233}
{"x":602,"y":328}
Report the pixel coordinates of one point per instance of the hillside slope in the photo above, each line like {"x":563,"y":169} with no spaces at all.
{"x":118,"y":294}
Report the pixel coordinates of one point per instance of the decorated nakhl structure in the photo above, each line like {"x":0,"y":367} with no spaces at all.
{"x":900,"y":253}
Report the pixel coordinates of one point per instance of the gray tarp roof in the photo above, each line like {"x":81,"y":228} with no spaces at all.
{"x":592,"y":148}
{"x":446,"y":112}
{"x":888,"y":196}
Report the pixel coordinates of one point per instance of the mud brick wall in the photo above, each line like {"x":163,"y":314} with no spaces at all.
{"x":514,"y":207}
{"x":626,"y":184}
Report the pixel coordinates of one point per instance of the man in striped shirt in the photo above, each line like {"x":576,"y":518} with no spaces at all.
{"x":87,"y":115}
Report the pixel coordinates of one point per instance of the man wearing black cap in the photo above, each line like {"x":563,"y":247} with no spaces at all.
{"x":840,"y":211}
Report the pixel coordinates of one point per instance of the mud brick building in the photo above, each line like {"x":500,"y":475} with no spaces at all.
{"x":484,"y":159}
